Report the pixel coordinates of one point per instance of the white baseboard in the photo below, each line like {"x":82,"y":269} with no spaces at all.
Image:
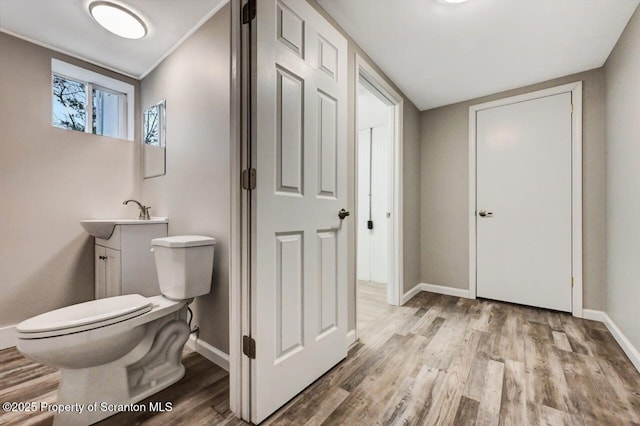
{"x":433,"y":288}
{"x":351,"y":338}
{"x":408,"y":295}
{"x":626,"y":345}
{"x":623,"y":341}
{"x":211,"y":353}
{"x":7,"y":337}
{"x":593,"y":315}
{"x":449,"y":291}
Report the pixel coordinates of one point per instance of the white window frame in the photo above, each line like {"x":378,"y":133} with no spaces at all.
{"x":102,"y":82}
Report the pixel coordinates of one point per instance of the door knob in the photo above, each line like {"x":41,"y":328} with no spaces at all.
{"x":484,"y":213}
{"x":343,"y":213}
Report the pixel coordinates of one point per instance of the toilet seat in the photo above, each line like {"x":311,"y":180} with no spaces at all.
{"x":84,"y":316}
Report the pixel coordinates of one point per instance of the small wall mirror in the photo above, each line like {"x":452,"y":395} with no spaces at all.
{"x":154,"y":138}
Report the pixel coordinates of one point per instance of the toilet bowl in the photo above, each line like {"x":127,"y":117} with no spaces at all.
{"x":120,"y":350}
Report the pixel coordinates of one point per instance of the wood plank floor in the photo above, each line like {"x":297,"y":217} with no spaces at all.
{"x":201,"y":397}
{"x":441,"y":360}
{"x":438,"y":360}
{"x":371,"y":304}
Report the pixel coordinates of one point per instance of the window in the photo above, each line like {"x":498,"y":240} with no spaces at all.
{"x":90,"y":102}
{"x":69,"y":104}
{"x":108,"y":107}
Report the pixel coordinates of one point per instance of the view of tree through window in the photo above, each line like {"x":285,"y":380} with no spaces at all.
{"x":152,"y":126}
{"x":69,"y":104}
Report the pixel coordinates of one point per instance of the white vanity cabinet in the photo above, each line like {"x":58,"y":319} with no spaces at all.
{"x":124,"y":261}
{"x":108,"y":275}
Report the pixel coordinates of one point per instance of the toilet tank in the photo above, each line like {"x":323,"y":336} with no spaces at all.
{"x":184,"y":264}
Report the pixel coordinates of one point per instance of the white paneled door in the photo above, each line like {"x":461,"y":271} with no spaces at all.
{"x":374,"y":201}
{"x":299,"y":277}
{"x":523,"y":204}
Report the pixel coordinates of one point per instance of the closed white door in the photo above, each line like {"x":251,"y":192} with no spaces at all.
{"x":363,"y":249}
{"x":379,"y":235}
{"x":299,"y":280}
{"x":373,"y":204}
{"x":523,"y":206}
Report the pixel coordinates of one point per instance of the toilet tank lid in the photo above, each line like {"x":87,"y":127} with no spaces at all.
{"x":183,"y":241}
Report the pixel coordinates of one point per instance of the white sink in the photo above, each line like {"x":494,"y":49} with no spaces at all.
{"x":103,"y":228}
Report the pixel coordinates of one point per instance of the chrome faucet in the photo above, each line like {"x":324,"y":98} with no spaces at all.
{"x":144,"y":210}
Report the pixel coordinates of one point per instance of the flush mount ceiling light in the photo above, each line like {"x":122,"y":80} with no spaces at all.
{"x":453,"y":1}
{"x":118,"y":20}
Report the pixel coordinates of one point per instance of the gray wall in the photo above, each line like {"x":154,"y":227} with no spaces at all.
{"x":411,"y":176}
{"x":194,"y":193}
{"x":50,"y":179}
{"x":412,"y":194}
{"x":445,"y":188}
{"x":623,"y":181}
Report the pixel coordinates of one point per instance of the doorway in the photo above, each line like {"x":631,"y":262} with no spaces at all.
{"x":378,"y":194}
{"x":374,"y":142}
{"x":525,"y":188}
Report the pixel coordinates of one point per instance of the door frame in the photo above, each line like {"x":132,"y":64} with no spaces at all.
{"x":575,"y":89}
{"x":239,"y":321}
{"x":363,"y":69}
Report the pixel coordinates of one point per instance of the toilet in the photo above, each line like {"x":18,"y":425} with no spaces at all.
{"x":120,"y":350}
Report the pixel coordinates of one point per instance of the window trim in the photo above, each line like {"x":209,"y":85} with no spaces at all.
{"x":93,"y":79}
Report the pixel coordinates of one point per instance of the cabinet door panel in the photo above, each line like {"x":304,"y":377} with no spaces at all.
{"x":101,"y":271}
{"x":113,"y":277}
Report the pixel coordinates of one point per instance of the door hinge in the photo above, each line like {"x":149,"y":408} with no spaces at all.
{"x":249,"y":11}
{"x":249,"y":347}
{"x":571,"y":282}
{"x":571,"y":108}
{"x":249,"y":179}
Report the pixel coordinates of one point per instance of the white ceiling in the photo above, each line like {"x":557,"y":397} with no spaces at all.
{"x":439,"y":54}
{"x":67,"y":26}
